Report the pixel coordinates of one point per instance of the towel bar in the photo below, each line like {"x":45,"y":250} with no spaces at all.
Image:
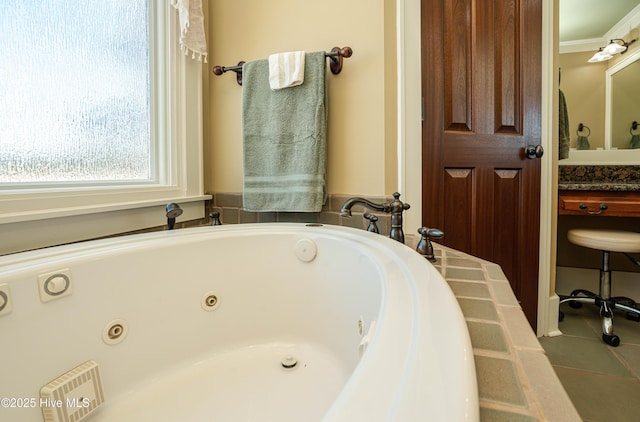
{"x":335,"y":63}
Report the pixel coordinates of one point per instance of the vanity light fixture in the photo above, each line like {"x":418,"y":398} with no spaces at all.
{"x":600,"y":56}
{"x":615,"y":46}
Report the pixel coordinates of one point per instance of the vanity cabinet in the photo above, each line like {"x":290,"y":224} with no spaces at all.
{"x":599,"y":203}
{"x":595,"y":197}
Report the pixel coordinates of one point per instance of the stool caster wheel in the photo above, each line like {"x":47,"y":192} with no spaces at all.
{"x":613,"y":340}
{"x":560,"y":316}
{"x":575,"y":305}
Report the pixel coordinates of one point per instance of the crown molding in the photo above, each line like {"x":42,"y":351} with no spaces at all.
{"x":619,"y":30}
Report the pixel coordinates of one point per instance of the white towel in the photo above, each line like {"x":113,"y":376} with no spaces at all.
{"x":286,"y":69}
{"x":192,"y":37}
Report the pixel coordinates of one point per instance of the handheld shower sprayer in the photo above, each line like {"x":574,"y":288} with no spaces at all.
{"x":173,"y":211}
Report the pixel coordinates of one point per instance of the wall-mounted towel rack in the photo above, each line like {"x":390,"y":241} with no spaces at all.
{"x":335,"y":63}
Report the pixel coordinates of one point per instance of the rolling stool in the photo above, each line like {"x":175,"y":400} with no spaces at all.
{"x":607,"y":241}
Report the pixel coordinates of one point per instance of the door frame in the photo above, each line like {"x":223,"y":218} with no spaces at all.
{"x":410,"y":139}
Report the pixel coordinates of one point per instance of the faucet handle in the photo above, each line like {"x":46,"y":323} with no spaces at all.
{"x":396,"y":200}
{"x":215,"y":219}
{"x":430,"y":233}
{"x":425,"y":248}
{"x":373,"y":227}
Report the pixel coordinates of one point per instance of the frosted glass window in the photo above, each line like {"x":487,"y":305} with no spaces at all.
{"x":75,"y":91}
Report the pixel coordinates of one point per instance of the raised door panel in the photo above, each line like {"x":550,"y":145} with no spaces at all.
{"x":458,"y":83}
{"x":458,"y":208}
{"x":507,"y":220}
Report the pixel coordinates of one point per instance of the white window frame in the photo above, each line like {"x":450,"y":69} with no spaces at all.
{"x":37,"y":217}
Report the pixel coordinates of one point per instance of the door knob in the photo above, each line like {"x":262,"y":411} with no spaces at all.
{"x":533,"y":151}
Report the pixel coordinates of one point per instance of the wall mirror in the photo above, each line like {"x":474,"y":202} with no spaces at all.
{"x":623,"y":104}
{"x":603,"y":96}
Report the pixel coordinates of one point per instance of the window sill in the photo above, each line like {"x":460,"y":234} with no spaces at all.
{"x":65,"y":225}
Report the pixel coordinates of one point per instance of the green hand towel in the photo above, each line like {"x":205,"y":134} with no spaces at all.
{"x":564,"y":136}
{"x":583,"y":142}
{"x":635,"y":141}
{"x":284,"y":139}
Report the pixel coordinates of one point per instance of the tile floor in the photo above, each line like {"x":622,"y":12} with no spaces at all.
{"x":602,"y":381}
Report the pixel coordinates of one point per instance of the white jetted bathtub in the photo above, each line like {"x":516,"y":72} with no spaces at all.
{"x":253,"y":322}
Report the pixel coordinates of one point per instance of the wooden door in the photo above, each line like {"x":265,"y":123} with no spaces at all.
{"x":481,"y":83}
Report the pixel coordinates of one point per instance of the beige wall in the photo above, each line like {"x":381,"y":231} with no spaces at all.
{"x":362,"y":157}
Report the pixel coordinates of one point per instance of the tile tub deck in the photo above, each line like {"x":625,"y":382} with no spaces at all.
{"x":516,"y":381}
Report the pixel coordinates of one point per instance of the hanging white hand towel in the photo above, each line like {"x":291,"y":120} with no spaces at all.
{"x":286,"y":70}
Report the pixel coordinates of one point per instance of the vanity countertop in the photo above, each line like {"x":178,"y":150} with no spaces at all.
{"x":601,"y":186}
{"x":600,"y":178}
{"x":515,"y":378}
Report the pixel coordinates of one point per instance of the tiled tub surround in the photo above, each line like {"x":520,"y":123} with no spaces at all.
{"x":604,"y":178}
{"x":516,"y":381}
{"x":229,"y":205}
